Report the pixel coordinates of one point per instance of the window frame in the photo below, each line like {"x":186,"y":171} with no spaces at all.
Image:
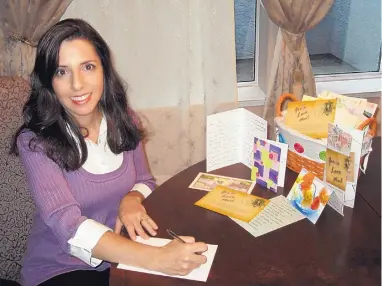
{"x":254,"y":93}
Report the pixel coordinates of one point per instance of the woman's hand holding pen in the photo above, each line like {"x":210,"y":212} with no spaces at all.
{"x":132,"y":214}
{"x":178,"y":258}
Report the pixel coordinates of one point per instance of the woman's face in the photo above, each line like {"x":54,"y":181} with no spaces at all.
{"x":78,"y":82}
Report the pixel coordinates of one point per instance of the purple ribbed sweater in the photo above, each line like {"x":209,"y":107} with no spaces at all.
{"x":64,"y":200}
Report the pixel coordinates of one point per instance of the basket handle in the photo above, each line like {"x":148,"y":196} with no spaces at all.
{"x":372,"y":123}
{"x":281,"y":100}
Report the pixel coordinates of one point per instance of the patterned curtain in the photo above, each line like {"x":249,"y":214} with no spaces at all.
{"x":291,"y":70}
{"x":22,"y":23}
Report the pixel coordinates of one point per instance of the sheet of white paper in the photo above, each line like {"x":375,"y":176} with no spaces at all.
{"x":222,"y":139}
{"x":199,"y":274}
{"x":251,"y":126}
{"x":337,"y":200}
{"x":277,"y":214}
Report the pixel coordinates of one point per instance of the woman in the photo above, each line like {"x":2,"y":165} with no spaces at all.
{"x":82,"y":153}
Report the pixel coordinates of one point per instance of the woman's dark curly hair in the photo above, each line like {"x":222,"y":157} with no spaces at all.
{"x":48,"y":120}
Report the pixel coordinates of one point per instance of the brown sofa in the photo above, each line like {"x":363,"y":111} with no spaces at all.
{"x":16,"y":205}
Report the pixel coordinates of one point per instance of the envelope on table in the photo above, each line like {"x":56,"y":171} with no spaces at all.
{"x":311,"y":117}
{"x":233,"y":203}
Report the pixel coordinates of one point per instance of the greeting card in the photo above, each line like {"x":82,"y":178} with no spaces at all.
{"x":269,"y":163}
{"x":309,"y":195}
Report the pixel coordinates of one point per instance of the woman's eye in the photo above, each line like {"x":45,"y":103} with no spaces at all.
{"x":60,"y":72}
{"x":89,"y":67}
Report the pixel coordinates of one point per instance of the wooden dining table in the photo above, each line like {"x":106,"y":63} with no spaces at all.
{"x":337,"y":250}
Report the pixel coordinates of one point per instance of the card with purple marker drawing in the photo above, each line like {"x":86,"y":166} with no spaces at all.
{"x":269,"y":163}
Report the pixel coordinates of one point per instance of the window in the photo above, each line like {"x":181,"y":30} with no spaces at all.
{"x":245,"y":39}
{"x":345,"y":49}
{"x":348,"y":39}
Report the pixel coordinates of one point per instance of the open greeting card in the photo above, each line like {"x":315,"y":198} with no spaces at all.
{"x":230,"y":137}
{"x":239,"y":136}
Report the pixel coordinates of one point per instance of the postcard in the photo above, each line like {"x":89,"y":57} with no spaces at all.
{"x":311,"y":117}
{"x":269,"y":163}
{"x":277,"y":214}
{"x":339,"y":140}
{"x":207,"y":182}
{"x":233,"y":203}
{"x":198,"y":274}
{"x":336,"y":168}
{"x":309,"y":195}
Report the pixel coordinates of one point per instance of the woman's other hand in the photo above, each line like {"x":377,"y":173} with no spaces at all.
{"x":132,"y":214}
{"x":178,"y":258}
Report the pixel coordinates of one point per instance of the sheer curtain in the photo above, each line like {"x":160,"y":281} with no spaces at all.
{"x":178,"y":60}
{"x":22,"y":23}
{"x":291,"y":70}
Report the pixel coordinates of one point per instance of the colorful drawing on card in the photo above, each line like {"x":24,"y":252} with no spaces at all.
{"x":336,"y":169}
{"x":309,"y":195}
{"x":266,"y":164}
{"x":339,"y":140}
{"x":207,"y":182}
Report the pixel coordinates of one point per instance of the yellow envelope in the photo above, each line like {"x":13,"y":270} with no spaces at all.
{"x":233,"y":203}
{"x":311,"y":117}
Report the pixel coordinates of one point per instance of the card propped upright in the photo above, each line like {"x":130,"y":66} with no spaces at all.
{"x":269,"y":163}
{"x":229,"y":137}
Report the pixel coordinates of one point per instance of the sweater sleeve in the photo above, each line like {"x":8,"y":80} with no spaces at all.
{"x":54,"y":201}
{"x":145,"y":182}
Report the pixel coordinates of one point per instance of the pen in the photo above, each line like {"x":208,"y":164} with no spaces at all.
{"x":175,"y":236}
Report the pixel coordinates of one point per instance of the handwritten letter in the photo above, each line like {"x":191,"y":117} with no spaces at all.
{"x":230,"y":137}
{"x":277,"y":214}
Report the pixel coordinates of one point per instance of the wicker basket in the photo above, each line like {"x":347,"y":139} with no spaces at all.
{"x":304,"y":151}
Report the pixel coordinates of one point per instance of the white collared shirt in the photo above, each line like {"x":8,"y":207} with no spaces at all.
{"x":100,"y":160}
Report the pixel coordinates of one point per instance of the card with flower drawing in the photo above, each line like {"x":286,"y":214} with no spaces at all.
{"x":309,"y":195}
